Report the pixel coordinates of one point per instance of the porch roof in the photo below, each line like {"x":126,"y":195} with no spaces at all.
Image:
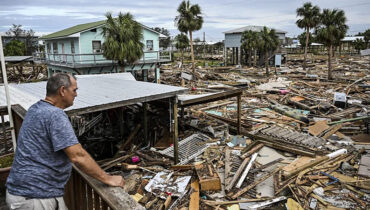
{"x":95,"y":92}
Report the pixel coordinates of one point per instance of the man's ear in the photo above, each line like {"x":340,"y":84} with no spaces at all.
{"x":61,"y":91}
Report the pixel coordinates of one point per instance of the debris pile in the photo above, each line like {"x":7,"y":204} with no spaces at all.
{"x":304,"y":142}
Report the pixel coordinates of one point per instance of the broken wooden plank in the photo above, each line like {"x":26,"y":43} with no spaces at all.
{"x":318,"y":128}
{"x":227,"y":165}
{"x":237,"y":174}
{"x":194,"y":197}
{"x":252,"y":151}
{"x":206,"y":180}
{"x":254,"y":184}
{"x":332,"y":130}
{"x":241,"y":180}
{"x":128,"y":140}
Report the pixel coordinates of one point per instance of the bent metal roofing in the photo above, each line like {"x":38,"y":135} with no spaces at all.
{"x":95,"y":92}
{"x":84,"y":27}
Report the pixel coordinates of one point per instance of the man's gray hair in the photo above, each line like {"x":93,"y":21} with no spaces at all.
{"x":57,"y":81}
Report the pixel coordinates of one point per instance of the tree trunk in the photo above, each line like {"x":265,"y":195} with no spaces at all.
{"x":255,"y":58}
{"x":267,"y":62}
{"x":182,"y":57}
{"x":192,"y":51}
{"x":122,"y":67}
{"x":250,"y":58}
{"x":329,"y":62}
{"x":305,"y":49}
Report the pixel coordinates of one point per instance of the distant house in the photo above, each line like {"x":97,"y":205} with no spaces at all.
{"x":347,"y":44}
{"x":79,"y":50}
{"x":32,"y":40}
{"x":233,"y":42}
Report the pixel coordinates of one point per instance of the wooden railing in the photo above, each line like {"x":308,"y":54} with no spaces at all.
{"x":18,"y":112}
{"x":80,"y":60}
{"x":83,"y":192}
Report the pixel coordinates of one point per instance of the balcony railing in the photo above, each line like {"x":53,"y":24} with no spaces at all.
{"x":96,"y":59}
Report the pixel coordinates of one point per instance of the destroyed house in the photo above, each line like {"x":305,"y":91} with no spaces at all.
{"x":233,"y":42}
{"x":79,"y":50}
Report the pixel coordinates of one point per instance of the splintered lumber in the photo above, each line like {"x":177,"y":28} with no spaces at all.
{"x":208,"y":180}
{"x":227,"y":165}
{"x":194,"y":197}
{"x":150,"y":203}
{"x":237,"y":174}
{"x":181,"y":167}
{"x":318,"y":128}
{"x":112,"y":163}
{"x":268,"y":202}
{"x":362,"y":203}
{"x":332,"y":130}
{"x":167,"y":202}
{"x":252,"y":151}
{"x":241,"y":180}
{"x":217,"y":203}
{"x":129,"y":139}
{"x":254,"y":184}
{"x":316,"y":162}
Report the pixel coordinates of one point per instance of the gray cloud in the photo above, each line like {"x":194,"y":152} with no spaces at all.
{"x":45,"y":16}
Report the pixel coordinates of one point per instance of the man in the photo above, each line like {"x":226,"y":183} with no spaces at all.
{"x":46,"y":147}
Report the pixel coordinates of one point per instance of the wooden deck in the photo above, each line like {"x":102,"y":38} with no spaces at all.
{"x":96,"y":60}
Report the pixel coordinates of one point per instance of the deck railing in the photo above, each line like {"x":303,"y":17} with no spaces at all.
{"x":80,"y":60}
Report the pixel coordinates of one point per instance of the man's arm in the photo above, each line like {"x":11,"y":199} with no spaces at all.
{"x":86,"y":163}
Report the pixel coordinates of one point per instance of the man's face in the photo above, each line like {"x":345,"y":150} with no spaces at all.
{"x":70,"y":93}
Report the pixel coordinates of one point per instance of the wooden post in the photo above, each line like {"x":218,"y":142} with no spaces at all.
{"x":239,"y":113}
{"x":175,"y":132}
{"x":145,"y":108}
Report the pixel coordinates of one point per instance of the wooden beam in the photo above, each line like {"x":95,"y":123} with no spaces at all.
{"x":175,"y":132}
{"x":194,"y":197}
{"x":239,"y":98}
{"x":145,"y":121}
{"x":211,"y":98}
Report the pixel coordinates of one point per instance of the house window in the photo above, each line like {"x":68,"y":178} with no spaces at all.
{"x":96,"y":45}
{"x":48,"y":47}
{"x":149,"y":44}
{"x":55,"y":47}
{"x":72,"y":47}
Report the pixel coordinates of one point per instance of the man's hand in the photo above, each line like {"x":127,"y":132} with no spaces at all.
{"x":84,"y":161}
{"x":115,"y":181}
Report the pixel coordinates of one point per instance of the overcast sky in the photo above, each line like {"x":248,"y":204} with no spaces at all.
{"x":46,"y":16}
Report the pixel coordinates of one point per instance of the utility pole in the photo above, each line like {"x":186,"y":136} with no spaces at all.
{"x":204,"y":47}
{"x":5,"y":79}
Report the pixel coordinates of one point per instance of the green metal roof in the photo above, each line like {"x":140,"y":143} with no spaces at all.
{"x":73,"y":30}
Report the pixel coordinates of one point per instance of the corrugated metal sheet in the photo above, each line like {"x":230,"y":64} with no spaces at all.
{"x":94,"y":90}
{"x":18,"y":58}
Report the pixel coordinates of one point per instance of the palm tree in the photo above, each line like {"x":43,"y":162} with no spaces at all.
{"x":332,"y":29}
{"x":123,"y":39}
{"x":269,"y":42}
{"x":359,"y":45}
{"x":189,"y":20}
{"x":367,"y":36}
{"x":182,"y":42}
{"x":250,"y":43}
{"x":310,"y":19}
{"x":302,"y":38}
